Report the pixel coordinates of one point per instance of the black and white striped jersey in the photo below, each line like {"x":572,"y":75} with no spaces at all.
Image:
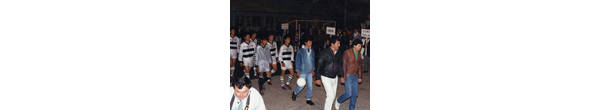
{"x":286,"y":53}
{"x":254,"y":42}
{"x":273,"y":49}
{"x":246,"y":50}
{"x":234,"y":42}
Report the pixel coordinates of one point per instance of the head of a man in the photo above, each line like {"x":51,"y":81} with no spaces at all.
{"x":271,"y":37}
{"x":263,"y":40}
{"x":241,"y":86}
{"x":254,"y":35}
{"x":356,"y":45}
{"x":232,"y":32}
{"x":247,"y":38}
{"x":335,"y":43}
{"x":286,"y":40}
{"x":307,"y":42}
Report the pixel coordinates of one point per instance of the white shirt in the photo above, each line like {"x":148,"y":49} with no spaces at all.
{"x":256,"y":100}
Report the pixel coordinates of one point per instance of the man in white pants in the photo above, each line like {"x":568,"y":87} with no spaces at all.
{"x":329,"y":68}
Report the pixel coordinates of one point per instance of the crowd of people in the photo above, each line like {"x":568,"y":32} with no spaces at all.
{"x":305,"y":54}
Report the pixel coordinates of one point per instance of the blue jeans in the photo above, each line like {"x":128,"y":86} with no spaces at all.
{"x":308,"y":77}
{"x":351,"y":83}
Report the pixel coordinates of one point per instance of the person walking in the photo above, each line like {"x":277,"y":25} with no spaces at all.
{"x":263,"y":61}
{"x":352,"y":74}
{"x":234,"y":42}
{"x":329,"y":68}
{"x":286,"y":58}
{"x":305,"y":65}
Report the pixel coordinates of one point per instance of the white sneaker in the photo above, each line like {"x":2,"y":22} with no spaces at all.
{"x":337,"y":105}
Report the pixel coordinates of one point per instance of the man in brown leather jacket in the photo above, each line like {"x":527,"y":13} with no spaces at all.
{"x":352,"y":67}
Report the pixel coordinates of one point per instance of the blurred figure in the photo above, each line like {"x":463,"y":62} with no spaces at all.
{"x":234,"y":41}
{"x":274,"y":57}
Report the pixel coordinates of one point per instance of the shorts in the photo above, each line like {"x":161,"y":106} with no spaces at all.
{"x":232,"y":54}
{"x":274,"y":60}
{"x":248,"y":62}
{"x":264,"y":66}
{"x":287,"y":64}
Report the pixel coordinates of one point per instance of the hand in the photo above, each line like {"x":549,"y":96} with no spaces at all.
{"x":283,"y":64}
{"x":313,"y":73}
{"x":257,"y":69}
{"x":359,"y":80}
{"x":318,"y":82}
{"x":343,"y":80}
{"x":242,"y":64}
{"x":298,"y":74}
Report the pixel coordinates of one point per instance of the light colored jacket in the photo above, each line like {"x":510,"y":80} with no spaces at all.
{"x":305,"y":61}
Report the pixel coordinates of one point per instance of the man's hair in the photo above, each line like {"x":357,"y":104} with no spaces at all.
{"x":262,"y":37}
{"x":240,"y":80}
{"x":332,"y":40}
{"x":356,"y":42}
{"x":287,"y":37}
{"x":306,"y":39}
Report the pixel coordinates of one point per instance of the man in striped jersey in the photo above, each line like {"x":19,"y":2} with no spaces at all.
{"x":254,"y":43}
{"x":286,"y":58}
{"x":246,"y":55}
{"x":234,"y":42}
{"x":274,"y":56}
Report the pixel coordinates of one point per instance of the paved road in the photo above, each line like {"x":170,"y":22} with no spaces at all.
{"x":278,"y":99}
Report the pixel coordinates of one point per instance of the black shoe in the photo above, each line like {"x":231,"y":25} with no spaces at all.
{"x":293,"y":96}
{"x":269,"y":82}
{"x":310,"y":102}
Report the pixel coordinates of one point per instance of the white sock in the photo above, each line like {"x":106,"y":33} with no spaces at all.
{"x":289,"y":79}
{"x":282,"y":78}
{"x":248,"y":75}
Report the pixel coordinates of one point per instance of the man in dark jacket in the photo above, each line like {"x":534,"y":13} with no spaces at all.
{"x":329,"y":68}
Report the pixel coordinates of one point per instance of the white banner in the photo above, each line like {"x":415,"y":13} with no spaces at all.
{"x":365,"y":32}
{"x":330,"y":30}
{"x":284,"y":26}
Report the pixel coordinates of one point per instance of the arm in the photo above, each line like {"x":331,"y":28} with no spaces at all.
{"x":299,"y":61}
{"x":240,"y":53}
{"x":360,"y":68}
{"x":292,"y":54}
{"x":269,"y":49}
{"x":280,"y":53}
{"x":255,"y":57}
{"x":319,"y":67}
{"x":275,"y":46}
{"x":312,"y":60}
{"x":345,"y":64}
